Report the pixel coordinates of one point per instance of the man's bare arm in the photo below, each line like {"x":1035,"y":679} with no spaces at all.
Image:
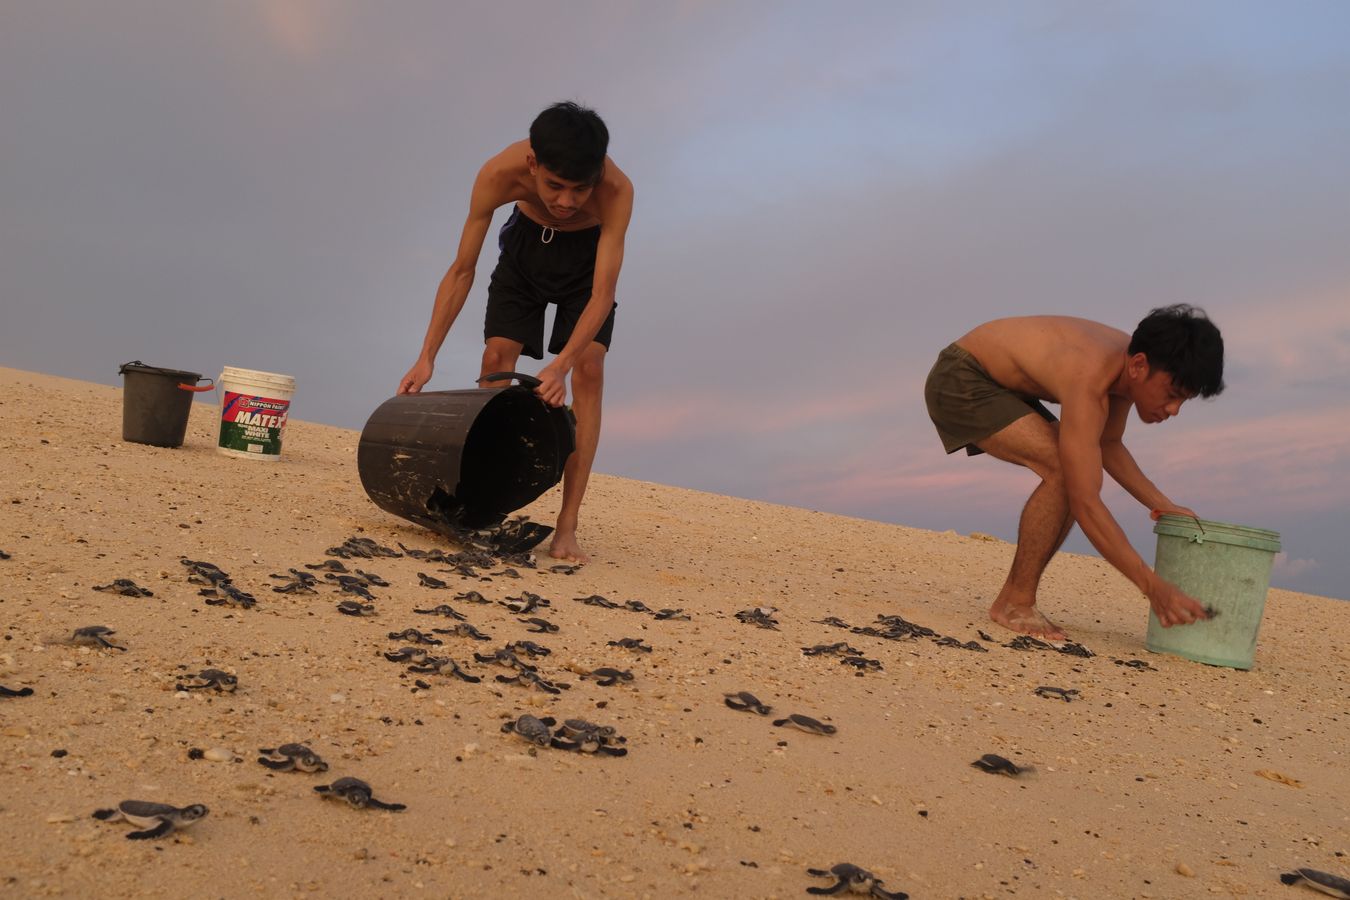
{"x":1080,"y":434}
{"x":1120,"y":464}
{"x":454,"y":287}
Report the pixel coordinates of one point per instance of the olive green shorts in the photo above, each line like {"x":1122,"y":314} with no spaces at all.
{"x":967,"y":406}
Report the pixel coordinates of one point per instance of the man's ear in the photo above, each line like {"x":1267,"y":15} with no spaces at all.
{"x":531,"y":162}
{"x":1138,"y":367}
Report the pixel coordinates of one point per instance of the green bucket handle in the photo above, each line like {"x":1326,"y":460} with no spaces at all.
{"x":1156,"y":514}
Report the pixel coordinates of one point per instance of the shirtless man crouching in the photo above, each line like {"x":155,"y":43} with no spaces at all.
{"x":984,"y":394}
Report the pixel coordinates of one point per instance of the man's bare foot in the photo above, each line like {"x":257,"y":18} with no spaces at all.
{"x":1025,"y":620}
{"x":565,"y":546}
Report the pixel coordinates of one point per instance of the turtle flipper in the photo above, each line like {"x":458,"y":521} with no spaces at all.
{"x":10,"y":692}
{"x":465,"y":676}
{"x":613,"y":751}
{"x":883,"y":894}
{"x":163,"y":828}
{"x":559,"y":744}
{"x":380,"y":804}
{"x":105,"y":815}
{"x":284,"y":765}
{"x":832,"y":889}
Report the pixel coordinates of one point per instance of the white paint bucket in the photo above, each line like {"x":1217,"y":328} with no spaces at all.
{"x":253,"y":411}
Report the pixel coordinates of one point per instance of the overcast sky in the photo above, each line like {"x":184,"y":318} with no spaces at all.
{"x":827,"y":194}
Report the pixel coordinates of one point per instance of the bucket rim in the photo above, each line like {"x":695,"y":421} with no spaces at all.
{"x":139,"y":368}
{"x":1223,"y":532}
{"x":268,"y":378}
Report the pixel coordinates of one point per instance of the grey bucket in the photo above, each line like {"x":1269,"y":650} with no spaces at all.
{"x":1226,"y":567}
{"x":156,"y":403}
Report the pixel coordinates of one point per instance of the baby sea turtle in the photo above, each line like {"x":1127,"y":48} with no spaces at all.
{"x":840,"y":648}
{"x":1054,"y":693}
{"x":211,"y":679}
{"x":414,"y":636}
{"x":202,"y":572}
{"x":296,"y":582}
{"x":862,"y":663}
{"x":155,"y":819}
{"x":504,"y":656}
{"x":636,"y":606}
{"x":328,"y":565}
{"x":606,"y":676}
{"x":472,"y":597}
{"x":744,"y":701}
{"x":372,"y":579}
{"x":508,"y":572}
{"x":531,"y":679}
{"x":4,"y":555}
{"x":761,"y":616}
{"x":630,"y":644}
{"x":854,"y":880}
{"x":357,"y":590}
{"x":806,"y":723}
{"x":443,"y":665}
{"x":898,"y":626}
{"x":444,"y":609}
{"x":1321,"y":881}
{"x":532,"y":729}
{"x":563,"y":569}
{"x":355,"y":608}
{"x":997,"y":765}
{"x":226,"y":594}
{"x":124,"y":586}
{"x":10,"y":692}
{"x":464,"y":629}
{"x":832,"y":621}
{"x":671,"y":614}
{"x":431,"y":581}
{"x":529,"y":648}
{"x":357,"y":793}
{"x":292,"y":758}
{"x":539,"y":626}
{"x":94,"y":636}
{"x":587,"y":737}
{"x":956,"y":642}
{"x":1134,"y":664}
{"x":407,"y":654}
{"x":597,"y":600}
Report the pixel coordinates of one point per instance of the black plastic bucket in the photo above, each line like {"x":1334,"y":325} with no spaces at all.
{"x":451,"y":460}
{"x":156,"y":403}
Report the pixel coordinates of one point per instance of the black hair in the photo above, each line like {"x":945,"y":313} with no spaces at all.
{"x":570,"y":140}
{"x":1182,"y":341}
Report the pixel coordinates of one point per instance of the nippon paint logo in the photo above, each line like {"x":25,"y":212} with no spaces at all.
{"x":258,"y":412}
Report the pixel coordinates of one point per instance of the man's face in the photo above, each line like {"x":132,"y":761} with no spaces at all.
{"x":1156,"y":398}
{"x":561,"y":197}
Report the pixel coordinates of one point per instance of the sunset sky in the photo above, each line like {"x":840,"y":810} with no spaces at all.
{"x":827,"y":194}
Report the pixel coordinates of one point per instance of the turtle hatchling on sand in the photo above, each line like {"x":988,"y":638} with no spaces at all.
{"x":124,"y":586}
{"x":840,"y":648}
{"x":1134,"y":664}
{"x":94,"y":636}
{"x":155,"y":819}
{"x":464,"y":629}
{"x":606,"y":676}
{"x":226,"y":594}
{"x":443,"y":665}
{"x":407,"y":654}
{"x":1055,"y":693}
{"x":504,"y":656}
{"x":444,"y":609}
{"x":531,"y":679}
{"x":202,"y":572}
{"x":806,"y":723}
{"x":956,"y":642}
{"x":527,"y":602}
{"x":472,"y":597}
{"x":832,"y":621}
{"x":529,"y":648}
{"x":355,"y":608}
{"x":539,"y":626}
{"x":564,"y":569}
{"x":744,"y":701}
{"x":670,"y":614}
{"x":1325,"y":882}
{"x":328,"y":565}
{"x":296,"y":582}
{"x":357,"y":793}
{"x":597,"y":600}
{"x":759,"y":615}
{"x":431,"y":581}
{"x":854,"y":880}
{"x":630,"y":644}
{"x":862,"y":663}
{"x":532,"y":729}
{"x":292,"y":758}
{"x":997,"y":765}
{"x":351,"y":587}
{"x":211,"y":679}
{"x":586,"y":737}
{"x":414,"y":636}
{"x":636,"y":606}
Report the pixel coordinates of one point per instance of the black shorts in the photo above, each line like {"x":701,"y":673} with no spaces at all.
{"x":539,"y":266}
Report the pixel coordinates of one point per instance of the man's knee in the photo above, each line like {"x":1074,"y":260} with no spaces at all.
{"x":589,"y":373}
{"x":499,"y":358}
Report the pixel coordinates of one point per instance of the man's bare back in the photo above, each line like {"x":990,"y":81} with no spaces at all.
{"x":1046,"y":356}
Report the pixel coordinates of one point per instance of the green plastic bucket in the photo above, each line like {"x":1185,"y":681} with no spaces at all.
{"x":1226,"y":567}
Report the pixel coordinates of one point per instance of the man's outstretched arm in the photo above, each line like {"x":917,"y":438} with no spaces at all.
{"x":454,"y":287}
{"x":1080,"y":434}
{"x":1119,"y":463}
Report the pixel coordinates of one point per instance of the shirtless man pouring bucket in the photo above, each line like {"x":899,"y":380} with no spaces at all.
{"x":563,"y":244}
{"x":984,"y":395}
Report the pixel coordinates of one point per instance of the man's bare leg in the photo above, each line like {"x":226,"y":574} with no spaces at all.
{"x":1032,"y":442}
{"x":588,"y":385}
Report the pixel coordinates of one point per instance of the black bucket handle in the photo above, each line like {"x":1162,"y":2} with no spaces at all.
{"x":528,"y":381}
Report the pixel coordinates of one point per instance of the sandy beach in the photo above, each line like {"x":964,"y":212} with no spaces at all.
{"x":1177,"y":780}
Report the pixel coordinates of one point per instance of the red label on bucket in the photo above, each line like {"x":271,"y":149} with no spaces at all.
{"x":252,"y":424}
